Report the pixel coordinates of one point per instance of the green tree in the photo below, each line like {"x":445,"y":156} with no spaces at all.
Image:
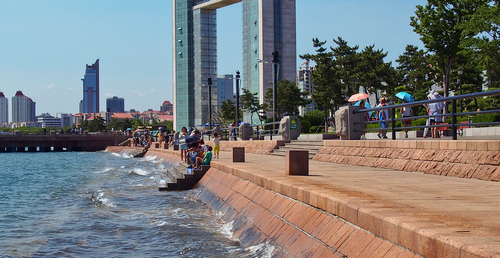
{"x":250,"y":103}
{"x":227,"y":111}
{"x":327,"y":93}
{"x":485,"y":24}
{"x":414,"y":69}
{"x":374,"y":73}
{"x":346,"y":60}
{"x":441,"y":26}
{"x":289,"y":100}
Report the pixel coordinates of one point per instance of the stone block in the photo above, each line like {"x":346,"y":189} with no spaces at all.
{"x":297,"y":162}
{"x":176,"y":147}
{"x":238,"y":154}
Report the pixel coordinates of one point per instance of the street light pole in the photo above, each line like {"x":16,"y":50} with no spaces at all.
{"x":460,"y":73}
{"x":275,"y":85}
{"x":237,"y":98}
{"x":210,"y":103}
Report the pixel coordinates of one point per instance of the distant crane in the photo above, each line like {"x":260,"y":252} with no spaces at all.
{"x":306,"y":63}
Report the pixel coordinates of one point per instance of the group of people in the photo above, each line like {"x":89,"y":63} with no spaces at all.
{"x":195,"y":152}
{"x":433,"y":110}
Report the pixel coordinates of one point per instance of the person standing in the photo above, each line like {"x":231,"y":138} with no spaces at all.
{"x":406,"y":112}
{"x":216,"y":145}
{"x":383,"y":115}
{"x":183,"y":147}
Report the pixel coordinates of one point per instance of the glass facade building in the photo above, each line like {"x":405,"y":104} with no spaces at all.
{"x":268,"y":26}
{"x":90,"y":102}
{"x":115,"y":104}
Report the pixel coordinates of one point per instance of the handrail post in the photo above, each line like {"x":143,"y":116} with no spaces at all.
{"x":393,"y":123}
{"x":454,"y":119}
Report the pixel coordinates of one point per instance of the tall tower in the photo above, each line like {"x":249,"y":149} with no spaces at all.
{"x":4,"y":109}
{"x":268,"y":26}
{"x":115,"y":104}
{"x":23,"y":108}
{"x":90,"y":102}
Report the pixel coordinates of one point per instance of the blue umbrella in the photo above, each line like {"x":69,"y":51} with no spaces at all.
{"x":367,"y":106}
{"x":405,"y":96}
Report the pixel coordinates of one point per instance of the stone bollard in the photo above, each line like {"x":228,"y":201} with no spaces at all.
{"x":157,"y":145}
{"x":238,"y":154}
{"x":176,"y":147}
{"x":165,"y":146}
{"x":297,"y":162}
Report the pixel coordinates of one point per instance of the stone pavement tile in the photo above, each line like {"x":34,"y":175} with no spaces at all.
{"x":313,"y":222}
{"x":361,"y":245}
{"x":340,"y":236}
{"x":394,"y":252}
{"x":493,"y":145}
{"x":352,"y":241}
{"x":318,"y":231}
{"x":311,"y":250}
{"x":406,"y":254}
{"x":471,"y":145}
{"x":300,"y":244}
{"x":368,"y":219}
{"x":330,"y":230}
{"x":382,"y":249}
{"x":370,"y":248}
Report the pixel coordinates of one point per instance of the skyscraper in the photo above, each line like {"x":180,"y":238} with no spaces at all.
{"x":4,"y":109}
{"x":268,"y":26}
{"x":225,"y":89}
{"x":90,"y":102}
{"x":115,"y":104}
{"x":23,"y":108}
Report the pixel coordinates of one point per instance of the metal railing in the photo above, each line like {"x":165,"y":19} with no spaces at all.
{"x":232,"y":133}
{"x":453,"y":114}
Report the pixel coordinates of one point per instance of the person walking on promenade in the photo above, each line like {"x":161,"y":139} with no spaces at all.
{"x":383,"y":115}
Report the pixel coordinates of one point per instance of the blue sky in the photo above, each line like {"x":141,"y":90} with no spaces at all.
{"x":45,"y":44}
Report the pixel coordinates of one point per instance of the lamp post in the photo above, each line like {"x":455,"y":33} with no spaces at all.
{"x":460,"y":73}
{"x":237,"y":98}
{"x":275,"y":85}
{"x":210,"y":103}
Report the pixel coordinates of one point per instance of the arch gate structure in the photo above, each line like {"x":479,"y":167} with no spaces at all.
{"x":268,"y":26}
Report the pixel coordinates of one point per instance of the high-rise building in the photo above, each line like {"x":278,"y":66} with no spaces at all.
{"x":115,"y":104}
{"x":225,"y":89}
{"x":268,"y":26}
{"x":304,"y":82}
{"x":4,"y":109}
{"x":90,"y":102}
{"x":23,"y":108}
{"x":167,"y":107}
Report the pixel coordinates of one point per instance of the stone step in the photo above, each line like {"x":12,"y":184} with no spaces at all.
{"x":183,"y":180}
{"x":311,"y":146}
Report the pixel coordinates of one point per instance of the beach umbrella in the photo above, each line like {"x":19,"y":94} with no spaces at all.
{"x":358,"y":96}
{"x":405,"y":96}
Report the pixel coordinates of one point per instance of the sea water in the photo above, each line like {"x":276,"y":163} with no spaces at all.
{"x":100,"y":204}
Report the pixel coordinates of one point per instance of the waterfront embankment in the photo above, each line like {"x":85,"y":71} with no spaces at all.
{"x":355,"y":211}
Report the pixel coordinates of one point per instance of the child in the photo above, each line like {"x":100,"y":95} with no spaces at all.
{"x":216,"y":145}
{"x":205,"y":160}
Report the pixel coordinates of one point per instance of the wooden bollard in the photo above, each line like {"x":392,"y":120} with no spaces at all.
{"x":297,"y":162}
{"x":238,"y":154}
{"x":176,"y":147}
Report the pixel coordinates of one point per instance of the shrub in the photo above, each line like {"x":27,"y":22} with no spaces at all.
{"x":306,"y":125}
{"x":313,"y":129}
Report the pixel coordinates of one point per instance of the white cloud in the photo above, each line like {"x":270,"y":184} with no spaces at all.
{"x":140,"y":94}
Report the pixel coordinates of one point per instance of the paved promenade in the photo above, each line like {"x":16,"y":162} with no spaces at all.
{"x":428,"y":214}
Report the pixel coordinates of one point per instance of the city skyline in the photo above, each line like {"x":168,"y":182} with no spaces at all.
{"x":49,"y":41}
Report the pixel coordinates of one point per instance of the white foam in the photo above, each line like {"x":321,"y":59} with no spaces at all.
{"x":104,"y":171}
{"x":139,"y":171}
{"x":227,"y":229}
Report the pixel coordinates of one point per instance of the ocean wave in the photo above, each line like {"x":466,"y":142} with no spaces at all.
{"x":103,"y":200}
{"x":264,"y":250}
{"x":103,"y":171}
{"x":227,"y":229}
{"x":139,"y":171}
